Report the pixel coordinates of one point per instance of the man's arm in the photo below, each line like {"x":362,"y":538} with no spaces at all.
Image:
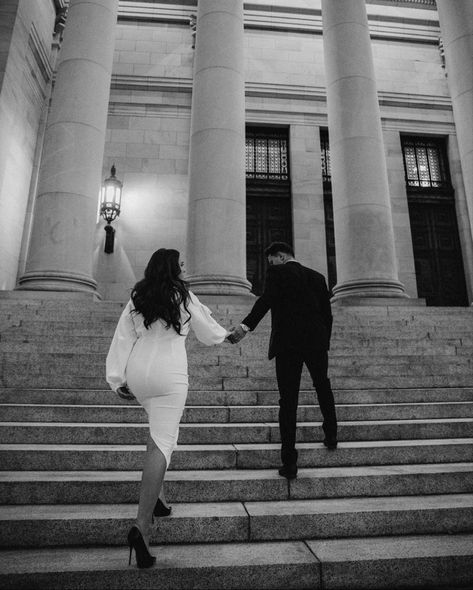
{"x":265,"y":302}
{"x":326,"y":307}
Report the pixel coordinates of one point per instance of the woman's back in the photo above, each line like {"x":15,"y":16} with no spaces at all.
{"x":151,"y":359}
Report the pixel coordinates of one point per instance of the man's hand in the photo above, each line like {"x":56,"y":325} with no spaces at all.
{"x":236,"y":334}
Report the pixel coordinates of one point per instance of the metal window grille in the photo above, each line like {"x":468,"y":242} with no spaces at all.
{"x":325,"y":155}
{"x":414,"y":3}
{"x":425,"y":163}
{"x":267,"y":155}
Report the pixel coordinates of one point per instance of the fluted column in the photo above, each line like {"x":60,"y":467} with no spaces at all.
{"x":456,"y":24}
{"x":61,"y":245}
{"x":216,"y":257}
{"x":364,"y":236}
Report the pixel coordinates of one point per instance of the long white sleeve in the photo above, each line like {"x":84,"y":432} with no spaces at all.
{"x":207,"y":330}
{"x":120,"y":349}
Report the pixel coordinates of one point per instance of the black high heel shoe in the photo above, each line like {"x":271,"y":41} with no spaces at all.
{"x":161,"y":509}
{"x":136,"y":542}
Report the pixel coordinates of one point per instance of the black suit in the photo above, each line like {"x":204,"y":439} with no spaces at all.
{"x":301,"y":326}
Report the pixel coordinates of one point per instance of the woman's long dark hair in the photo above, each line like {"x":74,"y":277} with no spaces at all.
{"x":161,"y":292}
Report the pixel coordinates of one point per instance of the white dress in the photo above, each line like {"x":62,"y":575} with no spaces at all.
{"x":153,"y":363}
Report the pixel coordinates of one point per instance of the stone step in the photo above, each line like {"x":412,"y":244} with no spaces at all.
{"x":222,"y":354}
{"x":67,"y":457}
{"x":395,"y":381}
{"x":240,"y":398}
{"x":106,"y":524}
{"x":50,"y":299}
{"x":386,"y":562}
{"x":383,"y":349}
{"x":342,"y":333}
{"x":348,"y":313}
{"x":13,"y":379}
{"x":74,"y":373}
{"x":122,"y":487}
{"x":427,"y":561}
{"x":38,"y":332}
{"x":209,"y":433}
{"x":23,"y":316}
{"x":236,"y":566}
{"x":104,"y":328}
{"x":388,"y":335}
{"x":237,"y":378}
{"x":230,"y":414}
{"x":352,"y":312}
{"x":107,"y":320}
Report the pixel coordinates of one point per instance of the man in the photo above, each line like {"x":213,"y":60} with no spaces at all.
{"x":301,"y":327}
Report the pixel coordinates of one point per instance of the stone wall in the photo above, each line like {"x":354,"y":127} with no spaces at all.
{"x":148,"y":140}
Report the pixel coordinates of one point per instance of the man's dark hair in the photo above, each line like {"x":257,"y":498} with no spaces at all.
{"x":276,"y":247}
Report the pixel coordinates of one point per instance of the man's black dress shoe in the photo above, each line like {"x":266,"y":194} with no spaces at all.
{"x":288,"y":471}
{"x":330,"y":443}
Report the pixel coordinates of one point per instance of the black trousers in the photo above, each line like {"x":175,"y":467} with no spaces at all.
{"x":288,"y":373}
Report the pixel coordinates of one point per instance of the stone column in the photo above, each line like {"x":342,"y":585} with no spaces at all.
{"x":456,"y":25}
{"x":216,"y":253}
{"x":364,"y":237}
{"x":62,"y":239}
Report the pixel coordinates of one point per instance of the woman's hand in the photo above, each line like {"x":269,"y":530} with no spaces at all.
{"x":125,"y":393}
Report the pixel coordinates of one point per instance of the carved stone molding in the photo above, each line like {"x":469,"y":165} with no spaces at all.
{"x":285,"y":91}
{"x":303,"y":20}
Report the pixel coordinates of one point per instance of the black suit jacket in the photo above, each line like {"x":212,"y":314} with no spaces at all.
{"x":299,"y":301}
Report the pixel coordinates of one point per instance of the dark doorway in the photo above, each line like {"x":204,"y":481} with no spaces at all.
{"x":436,"y":243}
{"x":268,"y":198}
{"x":328,"y":209}
{"x":437,"y":254}
{"x":267,"y":220}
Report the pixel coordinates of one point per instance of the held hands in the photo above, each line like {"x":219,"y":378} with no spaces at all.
{"x":237,"y":333}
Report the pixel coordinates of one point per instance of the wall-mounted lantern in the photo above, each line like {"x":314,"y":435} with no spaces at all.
{"x":110,"y":201}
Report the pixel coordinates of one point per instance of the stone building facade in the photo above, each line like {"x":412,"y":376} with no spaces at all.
{"x":342,"y":126}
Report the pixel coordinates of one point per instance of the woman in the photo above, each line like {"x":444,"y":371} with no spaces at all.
{"x":148,"y":356}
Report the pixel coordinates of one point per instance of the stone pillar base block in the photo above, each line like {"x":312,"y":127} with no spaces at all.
{"x":370,"y":288}
{"x":28,"y":295}
{"x":212,"y":301}
{"x":218,"y":285}
{"x":353,"y":301}
{"x":57,"y":281}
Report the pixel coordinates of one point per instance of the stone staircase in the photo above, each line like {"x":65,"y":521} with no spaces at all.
{"x":392,"y":507}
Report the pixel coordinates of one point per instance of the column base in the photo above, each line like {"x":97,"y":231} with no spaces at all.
{"x":378,"y":302}
{"x":51,"y":280}
{"x":218,"y":285}
{"x":369,"y":289}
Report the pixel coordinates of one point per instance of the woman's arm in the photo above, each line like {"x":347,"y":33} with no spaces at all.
{"x":207,"y":330}
{"x":120,"y":349}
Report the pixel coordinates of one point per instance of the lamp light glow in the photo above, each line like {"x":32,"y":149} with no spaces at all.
{"x":110,"y":204}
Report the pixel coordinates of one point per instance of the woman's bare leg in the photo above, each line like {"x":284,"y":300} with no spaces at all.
{"x":154,"y":470}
